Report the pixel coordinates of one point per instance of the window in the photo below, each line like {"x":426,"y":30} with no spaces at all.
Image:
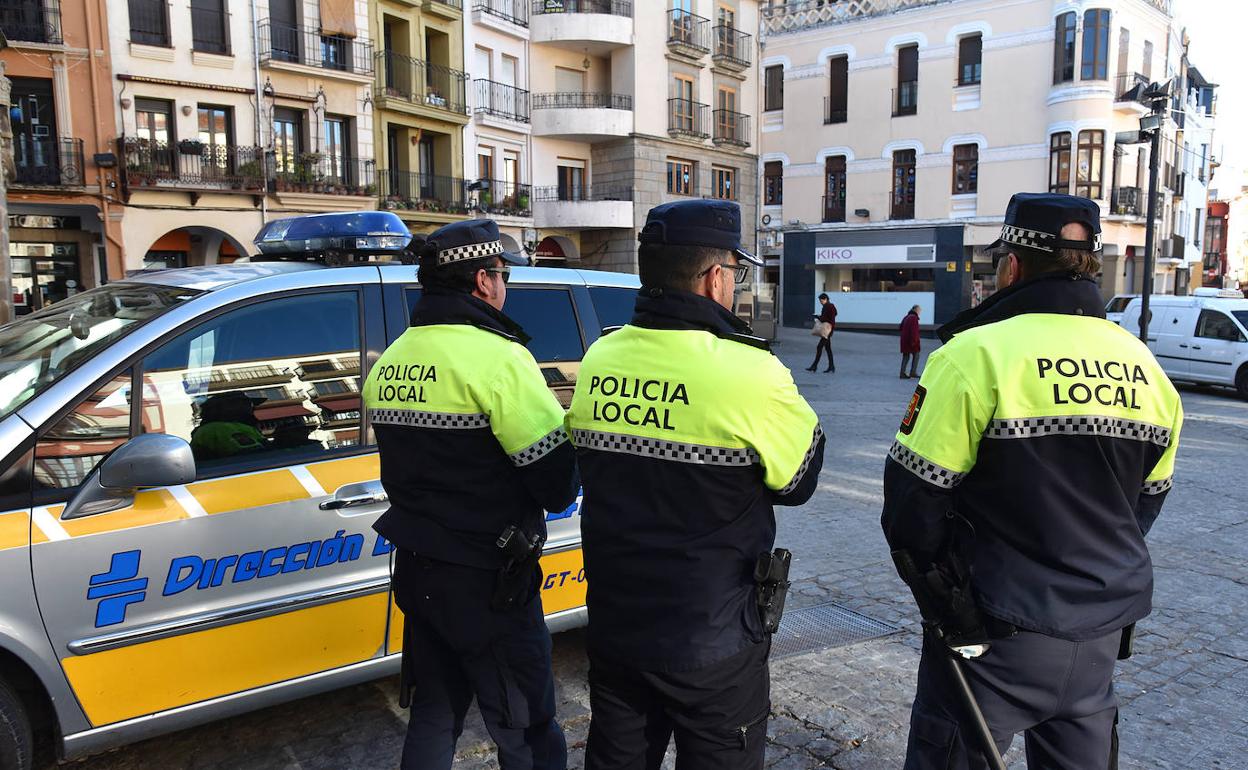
{"x":837,"y":110}
{"x":1090,"y":164}
{"x":1095,"y":44}
{"x":338,"y":149}
{"x":1197,"y":229}
{"x":1064,"y":49}
{"x":1059,"y":163}
{"x":287,"y":138}
{"x":614,"y":306}
{"x":970,"y":60}
{"x":906,"y":98}
{"x":1124,"y":57}
{"x":773,"y":88}
{"x":571,"y":181}
{"x":724,"y":183}
{"x":773,"y":183}
{"x":68,"y":451}
{"x":834,"y":188}
{"x":903,"y":185}
{"x":680,"y":179}
{"x":681,"y":104}
{"x":153,"y":122}
{"x":1146,"y":67}
{"x":215,"y":136}
{"x":209,"y":28}
{"x":965,"y":169}
{"x":1215,"y":325}
{"x":149,"y":22}
{"x":485,"y":163}
{"x":547,"y":315}
{"x":235,"y":387}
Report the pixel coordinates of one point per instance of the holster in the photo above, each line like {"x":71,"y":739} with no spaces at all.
{"x":1126,"y":645}
{"x":771,"y":575}
{"x":943,"y":593}
{"x":522,"y":554}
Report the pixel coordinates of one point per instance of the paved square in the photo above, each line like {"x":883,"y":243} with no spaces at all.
{"x":1183,"y":694}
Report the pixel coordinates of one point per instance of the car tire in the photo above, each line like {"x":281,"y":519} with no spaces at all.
{"x":16,"y":740}
{"x":1241,"y":382}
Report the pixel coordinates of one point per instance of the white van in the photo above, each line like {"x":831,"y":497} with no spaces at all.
{"x":1202,"y":338}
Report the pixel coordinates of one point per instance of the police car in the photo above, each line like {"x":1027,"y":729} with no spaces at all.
{"x":1201,"y":338}
{"x":188,"y":484}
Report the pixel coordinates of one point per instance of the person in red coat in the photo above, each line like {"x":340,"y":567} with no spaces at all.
{"x":910,"y":343}
{"x":827,"y":315}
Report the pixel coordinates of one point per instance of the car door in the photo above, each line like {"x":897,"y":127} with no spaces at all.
{"x":1214,"y":347}
{"x":1167,"y":337}
{"x":255,"y":573}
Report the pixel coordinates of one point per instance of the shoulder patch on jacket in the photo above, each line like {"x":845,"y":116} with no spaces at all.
{"x":912,"y":413}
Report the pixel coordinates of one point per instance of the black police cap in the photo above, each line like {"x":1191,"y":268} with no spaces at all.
{"x":468,"y":240}
{"x":712,"y":223}
{"x":1035,"y":221}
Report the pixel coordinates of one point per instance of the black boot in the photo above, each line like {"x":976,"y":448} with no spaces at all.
{"x":813,"y":367}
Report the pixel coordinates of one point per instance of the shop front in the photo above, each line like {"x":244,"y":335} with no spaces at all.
{"x":51,"y":256}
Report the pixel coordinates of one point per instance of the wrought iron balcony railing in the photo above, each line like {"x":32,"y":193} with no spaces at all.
{"x":583,"y":193}
{"x":611,"y":7}
{"x":415,"y":191}
{"x":48,"y":162}
{"x":686,"y":117}
{"x":192,"y":165}
{"x":324,"y":174}
{"x":501,"y":100}
{"x":32,"y":21}
{"x":733,"y":48}
{"x":514,"y":11}
{"x":506,"y":199}
{"x":307,"y":46}
{"x":419,"y":82}
{"x":731,"y":128}
{"x":688,"y":33}
{"x":581,"y":100}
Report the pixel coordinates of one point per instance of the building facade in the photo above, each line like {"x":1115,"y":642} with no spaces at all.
{"x":934,"y":112}
{"x":63,"y":209}
{"x":634,"y":104}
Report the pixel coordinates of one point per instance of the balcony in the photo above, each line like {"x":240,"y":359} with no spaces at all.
{"x":582,"y":116}
{"x":834,"y":112}
{"x":32,"y":21}
{"x":731,"y":128}
{"x":1126,"y":202}
{"x":320,"y":174}
{"x":447,"y":9}
{"x":307,"y":47}
{"x":687,"y":118}
{"x":429,"y":193}
{"x":419,"y":83}
{"x":47,"y":162}
{"x":192,"y":167}
{"x":504,"y":199}
{"x":833,"y":208}
{"x":906,"y":98}
{"x":1129,"y":92}
{"x":801,"y":15}
{"x":501,"y":101}
{"x":733,"y":48}
{"x":593,"y":26}
{"x":583,"y":207}
{"x":511,"y":11}
{"x":688,"y":35}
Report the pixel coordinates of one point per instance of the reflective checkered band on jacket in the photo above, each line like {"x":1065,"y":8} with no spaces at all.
{"x":540,"y":448}
{"x":471,"y":251}
{"x":664,"y":450}
{"x":925,"y":469}
{"x":1082,"y":425}
{"x":810,"y":455}
{"x":415,"y":419}
{"x":1157,"y":487}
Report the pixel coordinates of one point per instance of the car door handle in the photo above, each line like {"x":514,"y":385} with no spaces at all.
{"x":1182,"y":345}
{"x":1195,"y":347}
{"x":353,"y":501}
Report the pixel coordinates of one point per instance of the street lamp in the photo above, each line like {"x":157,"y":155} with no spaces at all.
{"x":1156,"y":95}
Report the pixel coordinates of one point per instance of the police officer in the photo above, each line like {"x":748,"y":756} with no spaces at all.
{"x":687,"y":431}
{"x":1035,"y":455}
{"x":473,"y":449}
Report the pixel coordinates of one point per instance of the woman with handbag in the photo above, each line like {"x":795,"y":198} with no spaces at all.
{"x":825,"y":324}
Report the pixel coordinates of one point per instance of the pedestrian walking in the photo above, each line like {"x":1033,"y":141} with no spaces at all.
{"x":688,"y":430}
{"x":473,"y":451}
{"x":1036,"y":454}
{"x":825,"y":325}
{"x":910,"y":343}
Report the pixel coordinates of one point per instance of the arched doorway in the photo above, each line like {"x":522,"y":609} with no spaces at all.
{"x":509,"y":243}
{"x":555,"y":251}
{"x":192,"y":247}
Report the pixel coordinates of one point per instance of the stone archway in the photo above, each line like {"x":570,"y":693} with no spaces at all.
{"x":193,"y":246}
{"x":510,"y":244}
{"x":556,"y":251}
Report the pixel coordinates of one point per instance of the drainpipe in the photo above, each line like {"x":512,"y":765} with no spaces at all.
{"x":104,"y":197}
{"x":255,"y":65}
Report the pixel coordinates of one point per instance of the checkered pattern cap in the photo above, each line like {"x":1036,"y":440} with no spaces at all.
{"x":1035,"y":221}
{"x":469,"y":240}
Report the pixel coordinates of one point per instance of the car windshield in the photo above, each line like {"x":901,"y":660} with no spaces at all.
{"x":38,"y":349}
{"x":1241,"y":316}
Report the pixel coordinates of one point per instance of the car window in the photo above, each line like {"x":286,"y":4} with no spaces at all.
{"x":1241,"y":316}
{"x":274,"y":381}
{"x":547,"y":315}
{"x":614,"y":306}
{"x":69,"y":450}
{"x":1217,"y":326}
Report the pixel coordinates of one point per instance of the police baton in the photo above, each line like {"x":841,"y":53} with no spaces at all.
{"x":971,"y":706}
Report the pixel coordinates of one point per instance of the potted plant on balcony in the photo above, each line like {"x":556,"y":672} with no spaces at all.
{"x":487,"y":198}
{"x":522,"y":200}
{"x":251,"y":174}
{"x":190,"y":147}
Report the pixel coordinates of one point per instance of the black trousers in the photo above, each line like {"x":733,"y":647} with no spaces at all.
{"x":459,"y":648}
{"x":718,"y":714}
{"x":825,"y":343}
{"x":913,"y":358}
{"x":1059,"y":694}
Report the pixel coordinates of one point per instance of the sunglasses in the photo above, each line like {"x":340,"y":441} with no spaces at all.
{"x":739,"y":272}
{"x":504,"y":271}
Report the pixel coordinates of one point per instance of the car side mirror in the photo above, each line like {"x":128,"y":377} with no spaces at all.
{"x":149,"y":460}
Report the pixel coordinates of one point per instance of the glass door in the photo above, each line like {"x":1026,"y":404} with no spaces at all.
{"x":43,"y":273}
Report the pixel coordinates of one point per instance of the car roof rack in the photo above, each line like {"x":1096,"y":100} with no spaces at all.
{"x":339,"y":238}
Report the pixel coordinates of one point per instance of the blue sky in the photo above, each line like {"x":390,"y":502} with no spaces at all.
{"x":1217,"y":49}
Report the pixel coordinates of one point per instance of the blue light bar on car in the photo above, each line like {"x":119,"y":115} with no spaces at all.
{"x":355,"y":234}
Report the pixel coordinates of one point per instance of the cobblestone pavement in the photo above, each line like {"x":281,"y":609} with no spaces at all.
{"x":1182,"y":694}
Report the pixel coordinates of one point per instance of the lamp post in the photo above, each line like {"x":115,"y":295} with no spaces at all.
{"x":1156,"y":95}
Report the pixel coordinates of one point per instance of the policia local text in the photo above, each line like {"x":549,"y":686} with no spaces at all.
{"x":658,"y":392}
{"x":1124,"y":395}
